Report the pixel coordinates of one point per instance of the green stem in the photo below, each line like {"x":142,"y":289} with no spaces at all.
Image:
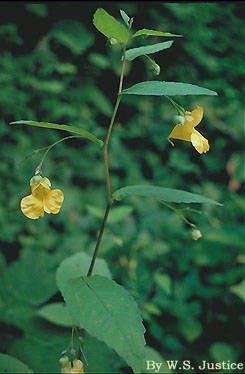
{"x":179,"y":213}
{"x":107,"y":167}
{"x":106,"y":156}
{"x":49,"y":147}
{"x":177,"y":106}
{"x":102,"y":228}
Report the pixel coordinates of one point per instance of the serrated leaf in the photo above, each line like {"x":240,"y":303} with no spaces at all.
{"x":110,"y":27}
{"x":131,"y":54}
{"x":75,"y":130}
{"x":125,"y":17}
{"x":11,"y":365}
{"x":106,"y":311}
{"x":149,"y":32}
{"x":162,"y":194}
{"x":158,"y":88}
{"x":56,"y":313}
{"x":77,"y":266}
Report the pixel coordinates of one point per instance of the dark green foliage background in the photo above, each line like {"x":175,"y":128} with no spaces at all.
{"x":56,"y":67}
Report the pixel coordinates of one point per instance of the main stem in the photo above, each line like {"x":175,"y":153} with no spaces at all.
{"x":107,"y":168}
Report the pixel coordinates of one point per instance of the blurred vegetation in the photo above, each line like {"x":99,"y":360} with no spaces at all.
{"x":55,"y":67}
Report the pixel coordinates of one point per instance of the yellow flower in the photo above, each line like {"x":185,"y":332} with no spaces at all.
{"x":77,"y":367}
{"x":187,"y":131}
{"x":42,"y":199}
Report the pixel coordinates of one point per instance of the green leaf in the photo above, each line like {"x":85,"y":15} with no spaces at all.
{"x":38,"y":9}
{"x":78,"y":265}
{"x":41,"y":346}
{"x":110,"y":27}
{"x":125,"y":17}
{"x":107,"y":361}
{"x":190,"y":328}
{"x":75,"y":130}
{"x":131,"y":54}
{"x":152,"y":357}
{"x":158,"y":88}
{"x":106,"y":311}
{"x":149,"y":32}
{"x":56,"y":313}
{"x":73,"y":35}
{"x":31,"y":278}
{"x":162,"y":193}
{"x":10,"y":364}
{"x":239,"y":290}
{"x":221,"y":351}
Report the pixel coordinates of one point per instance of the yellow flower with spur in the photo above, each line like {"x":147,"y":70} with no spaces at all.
{"x":186,"y":130}
{"x":42,"y":199}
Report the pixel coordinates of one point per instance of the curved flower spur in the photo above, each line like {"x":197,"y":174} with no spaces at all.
{"x":42,"y":199}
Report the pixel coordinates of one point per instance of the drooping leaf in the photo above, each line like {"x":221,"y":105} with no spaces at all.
{"x":11,"y":365}
{"x":131,"y":54}
{"x":77,"y":266}
{"x":56,"y":313}
{"x":149,"y":32}
{"x":106,"y":311}
{"x":75,"y":130}
{"x":125,"y":17}
{"x":110,"y":27}
{"x":162,"y":194}
{"x":158,"y":88}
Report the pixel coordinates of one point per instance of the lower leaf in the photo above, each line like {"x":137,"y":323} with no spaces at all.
{"x":106,"y":311}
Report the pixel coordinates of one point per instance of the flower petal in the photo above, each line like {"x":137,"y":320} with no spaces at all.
{"x":181,"y":132}
{"x":196,"y":115}
{"x":52,"y":201}
{"x":32,"y":207}
{"x":199,"y":142}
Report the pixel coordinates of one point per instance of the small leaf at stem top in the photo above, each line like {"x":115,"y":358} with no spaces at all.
{"x":110,"y":27}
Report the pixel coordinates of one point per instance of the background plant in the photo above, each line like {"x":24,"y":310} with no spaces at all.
{"x":58,"y":75}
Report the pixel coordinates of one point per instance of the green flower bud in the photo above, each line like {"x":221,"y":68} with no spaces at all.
{"x":64,"y":361}
{"x":36,"y":179}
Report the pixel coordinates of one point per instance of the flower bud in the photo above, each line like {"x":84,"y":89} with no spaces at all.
{"x":196,"y":234}
{"x":36,"y":179}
